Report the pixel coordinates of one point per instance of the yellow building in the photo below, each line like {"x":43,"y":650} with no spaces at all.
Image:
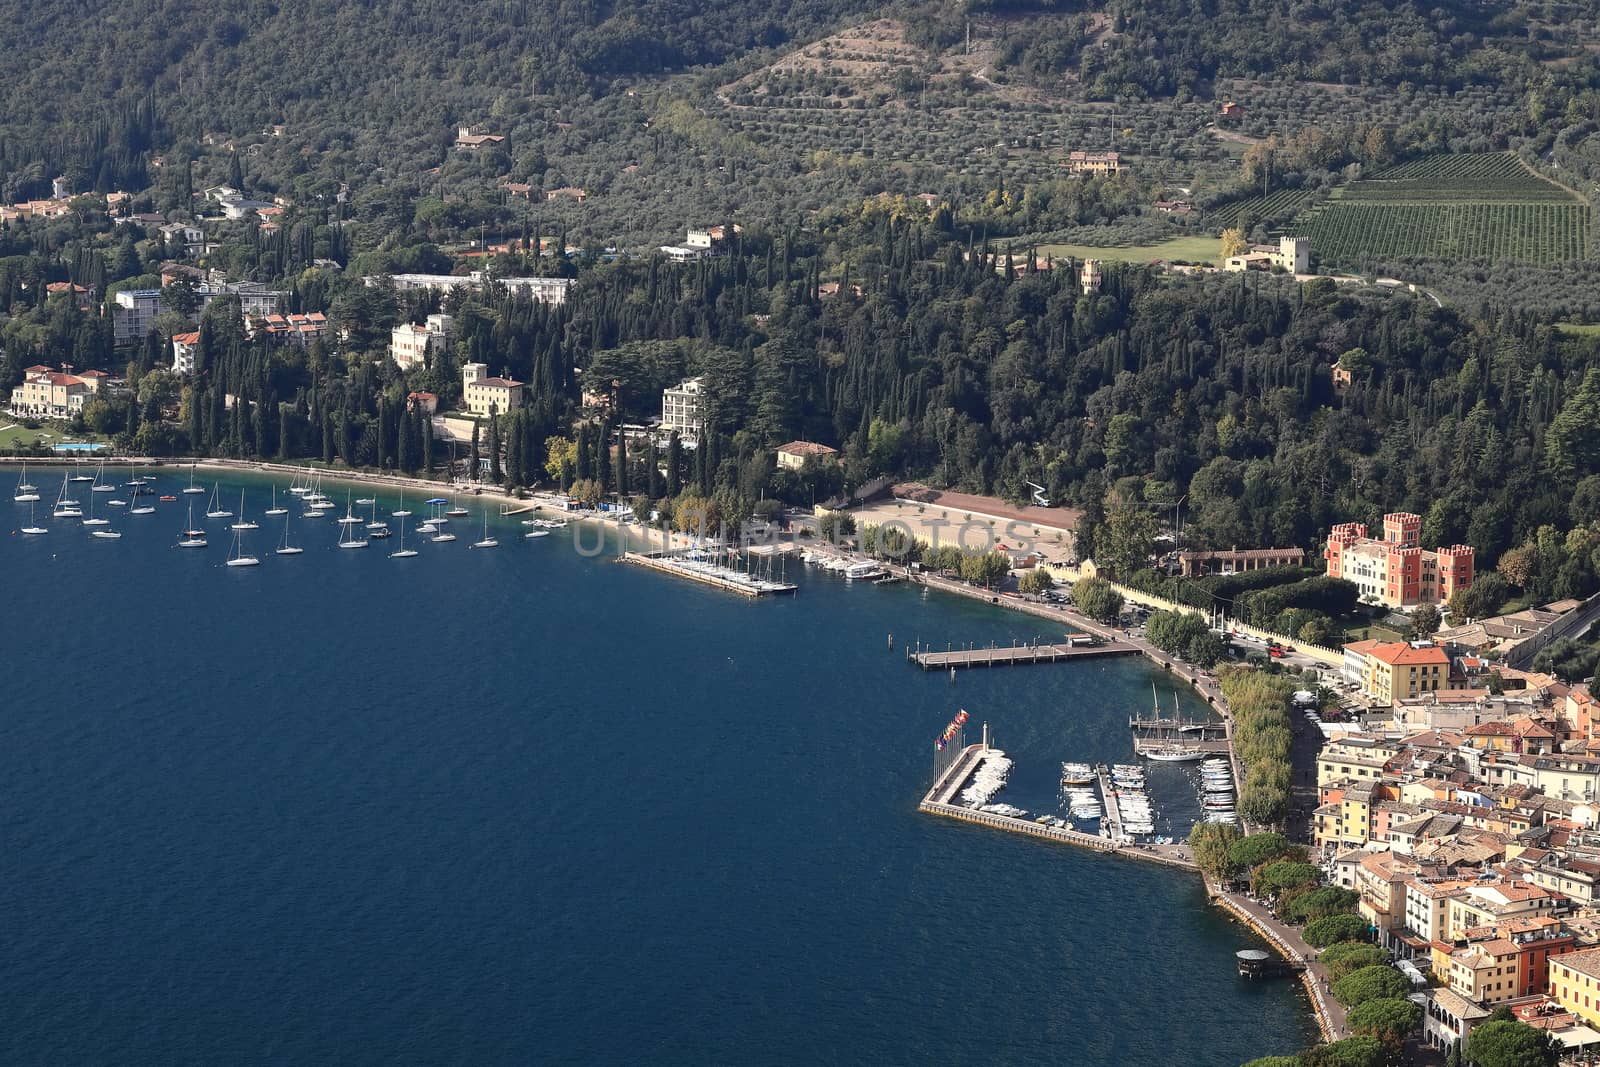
{"x":484,"y":395}
{"x":1484,"y":972}
{"x":1357,"y":759}
{"x":1575,"y":982}
{"x":1398,"y":670}
{"x":1345,"y":819}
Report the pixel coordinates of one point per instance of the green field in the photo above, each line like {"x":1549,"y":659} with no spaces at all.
{"x":1484,"y":206}
{"x":1257,"y":208}
{"x":1187,"y":249}
{"x":14,"y":436}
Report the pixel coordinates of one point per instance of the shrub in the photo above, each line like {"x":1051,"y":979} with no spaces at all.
{"x":1347,"y":957}
{"x":1251,"y":852}
{"x":1323,"y":902}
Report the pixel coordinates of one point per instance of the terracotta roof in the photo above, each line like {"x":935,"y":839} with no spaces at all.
{"x":807,"y":448}
{"x":1400,"y":654}
{"x":498,"y":383}
{"x":192,"y":338}
{"x":1585,"y":962}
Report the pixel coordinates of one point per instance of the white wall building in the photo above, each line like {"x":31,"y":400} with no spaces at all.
{"x":682,"y":409}
{"x":412,"y":346}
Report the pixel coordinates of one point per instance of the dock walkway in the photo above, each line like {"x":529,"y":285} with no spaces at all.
{"x":711,"y":574}
{"x":1014,"y":655}
{"x":1113,"y":819}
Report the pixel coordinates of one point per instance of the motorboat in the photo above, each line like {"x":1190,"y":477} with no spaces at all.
{"x":536,"y":533}
{"x":862,"y":571}
{"x":1077,"y":774}
{"x":107,"y":535}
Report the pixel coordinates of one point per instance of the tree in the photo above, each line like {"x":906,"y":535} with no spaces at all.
{"x":1425,"y":621}
{"x":1336,"y":928}
{"x":1322,"y":902}
{"x":1251,"y":852}
{"x":1279,"y":876}
{"x":494,"y":446}
{"x":560,"y":458}
{"x":1234,"y":243}
{"x":1370,"y":983}
{"x":1274,"y":1061}
{"x":1035,"y":582}
{"x":1126,"y":538}
{"x":1511,"y":1044}
{"x":1096,"y":598}
{"x":1358,"y":1051}
{"x":1212,"y":844}
{"x":1389,"y":1019}
{"x":1346,"y":957}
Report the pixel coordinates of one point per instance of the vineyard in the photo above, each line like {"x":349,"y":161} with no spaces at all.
{"x":1472,"y":206}
{"x":1280,"y":204}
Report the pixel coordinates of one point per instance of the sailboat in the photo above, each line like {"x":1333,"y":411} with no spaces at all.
{"x":376,"y":528}
{"x":25,"y":494}
{"x":99,"y":486}
{"x":437,"y":504}
{"x":403,"y":552}
{"x":193,"y":489}
{"x":286,"y":549}
{"x":238,"y":558}
{"x":349,"y":518}
{"x":66,"y":508}
{"x":402,"y":513}
{"x":296,"y":488}
{"x":487,"y":542}
{"x":33,"y":527}
{"x":77,"y":465}
{"x":244,"y":523}
{"x":192,"y":538}
{"x":458,"y":511}
{"x":214,"y":510}
{"x":347,"y":535}
{"x":275,"y":509}
{"x":141,"y":509}
{"x":91,"y":520}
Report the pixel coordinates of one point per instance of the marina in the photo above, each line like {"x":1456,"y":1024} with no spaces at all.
{"x":700,"y":567}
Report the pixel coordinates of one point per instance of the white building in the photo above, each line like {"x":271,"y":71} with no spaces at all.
{"x":543,"y":290}
{"x":682,"y":409}
{"x":133,"y":311}
{"x":411,"y":346}
{"x":183,"y":346}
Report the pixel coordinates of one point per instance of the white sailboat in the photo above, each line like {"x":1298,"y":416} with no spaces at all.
{"x":458,"y":511}
{"x":347,"y":536}
{"x":141,"y":509}
{"x":349,"y":518}
{"x":377,"y":528}
{"x":275,"y":509}
{"x":193,"y":490}
{"x":403,"y":552}
{"x":91,"y":520}
{"x":192,"y":538}
{"x":77,"y":465}
{"x":25,"y":494}
{"x":33,"y":527}
{"x":402,"y":513}
{"x":296,"y":488}
{"x":66,"y":508}
{"x":244,"y":523}
{"x":487,"y":542}
{"x":441,"y":538}
{"x":238,"y":558}
{"x":215,"y":509}
{"x":286,"y":549}
{"x":100,"y":486}
{"x":108,"y":535}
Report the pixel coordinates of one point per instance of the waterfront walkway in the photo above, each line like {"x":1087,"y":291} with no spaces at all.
{"x":1292,"y":947}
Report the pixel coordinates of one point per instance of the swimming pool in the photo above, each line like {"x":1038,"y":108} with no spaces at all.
{"x":77,"y":446}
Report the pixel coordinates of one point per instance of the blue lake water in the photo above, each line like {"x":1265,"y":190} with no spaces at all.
{"x":519,"y":806}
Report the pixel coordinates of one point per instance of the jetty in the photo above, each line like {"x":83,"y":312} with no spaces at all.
{"x":995,"y":655}
{"x":1108,"y":790}
{"x":947,"y":784}
{"x":709,"y":573}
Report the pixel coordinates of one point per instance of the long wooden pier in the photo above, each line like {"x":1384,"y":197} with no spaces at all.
{"x":1013,"y":655}
{"x":1108,"y":790}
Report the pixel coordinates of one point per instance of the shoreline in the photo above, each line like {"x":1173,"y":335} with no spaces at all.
{"x":631,"y":534}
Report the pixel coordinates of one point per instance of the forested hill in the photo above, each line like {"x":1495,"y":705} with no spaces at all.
{"x":376,"y":63}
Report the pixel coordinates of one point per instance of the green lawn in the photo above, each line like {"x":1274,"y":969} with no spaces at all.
{"x":1188,"y":249}
{"x":1362,"y":629}
{"x":15,"y":436}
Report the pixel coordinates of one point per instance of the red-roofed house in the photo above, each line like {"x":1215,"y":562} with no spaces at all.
{"x":45,"y":393}
{"x":484,"y":395}
{"x":1396,"y":670}
{"x":793,"y":455}
{"x":183,"y":346}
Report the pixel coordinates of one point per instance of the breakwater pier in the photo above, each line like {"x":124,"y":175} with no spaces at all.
{"x":1015,"y":655}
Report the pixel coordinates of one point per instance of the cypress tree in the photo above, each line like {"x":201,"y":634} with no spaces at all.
{"x":473,"y":469}
{"x":674,"y":465}
{"x":602,"y":458}
{"x":622,"y":463}
{"x":495,"y":474}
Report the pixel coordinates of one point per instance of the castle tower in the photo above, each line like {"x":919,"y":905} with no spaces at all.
{"x":1402,"y":580}
{"x":1340,"y":538}
{"x":1402,"y":528}
{"x":1456,"y":570}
